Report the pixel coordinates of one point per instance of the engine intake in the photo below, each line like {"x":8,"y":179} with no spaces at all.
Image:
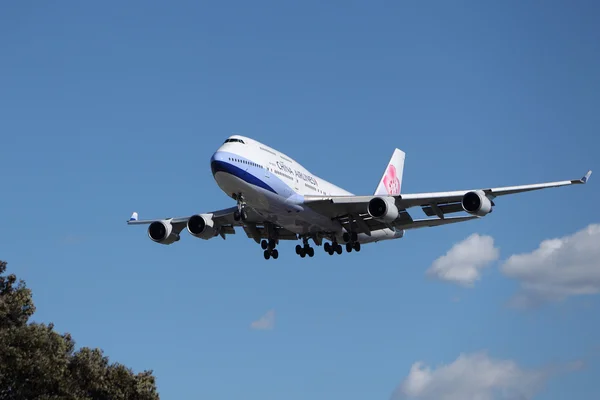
{"x":476,"y":203}
{"x":383,"y":209}
{"x":202,"y":226}
{"x":162,"y":232}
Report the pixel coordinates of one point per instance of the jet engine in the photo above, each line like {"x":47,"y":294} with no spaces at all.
{"x":383,"y":209}
{"x":476,"y":203}
{"x":202,"y":226}
{"x":162,"y":232}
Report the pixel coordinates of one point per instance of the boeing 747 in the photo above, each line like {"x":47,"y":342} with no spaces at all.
{"x":278,"y":199}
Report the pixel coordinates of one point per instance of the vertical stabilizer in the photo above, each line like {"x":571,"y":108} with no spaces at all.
{"x":391,"y":181}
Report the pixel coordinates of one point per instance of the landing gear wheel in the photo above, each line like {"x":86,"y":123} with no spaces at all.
{"x":338,"y":249}
{"x":236,"y":215}
{"x":264,"y":244}
{"x":357,"y":246}
{"x":346,"y":237}
{"x":327,"y":248}
{"x":354,"y":237}
{"x":298,"y":249}
{"x":310,"y":251}
{"x":275,"y":254}
{"x":272,"y":244}
{"x":302,"y":253}
{"x":267,"y":254}
{"x":349,"y":247}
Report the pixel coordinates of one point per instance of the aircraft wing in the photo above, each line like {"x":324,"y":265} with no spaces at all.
{"x":423,"y":199}
{"x":354,"y":208}
{"x":222,"y":217}
{"x":254,"y":226}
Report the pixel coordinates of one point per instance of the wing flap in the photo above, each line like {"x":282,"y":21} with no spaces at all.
{"x":366,"y":224}
{"x":426,"y":223}
{"x":337,"y":206}
{"x":260,"y":232}
{"x":447,"y":208}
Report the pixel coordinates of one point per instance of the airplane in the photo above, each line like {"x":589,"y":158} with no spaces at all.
{"x":278,"y":199}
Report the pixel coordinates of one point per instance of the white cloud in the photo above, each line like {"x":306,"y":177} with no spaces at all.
{"x":558,"y":268}
{"x":475,"y":376}
{"x":463,"y":263}
{"x":266,"y":322}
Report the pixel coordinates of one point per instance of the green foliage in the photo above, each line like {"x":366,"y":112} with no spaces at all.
{"x":16,"y":305}
{"x":37,"y":363}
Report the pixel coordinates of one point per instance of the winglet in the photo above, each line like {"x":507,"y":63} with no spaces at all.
{"x":134,"y":216}
{"x":586,"y":177}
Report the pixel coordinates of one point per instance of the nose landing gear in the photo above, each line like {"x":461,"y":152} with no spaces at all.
{"x":241,"y":212}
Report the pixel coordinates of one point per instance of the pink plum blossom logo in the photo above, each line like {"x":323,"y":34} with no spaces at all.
{"x":391,"y":181}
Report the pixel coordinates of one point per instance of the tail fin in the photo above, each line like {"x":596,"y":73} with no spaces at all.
{"x":391,"y":181}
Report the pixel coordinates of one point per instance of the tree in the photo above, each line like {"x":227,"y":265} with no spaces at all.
{"x":36,"y":362}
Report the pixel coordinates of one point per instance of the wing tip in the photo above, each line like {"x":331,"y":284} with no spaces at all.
{"x":134,"y":217}
{"x":586,"y":177}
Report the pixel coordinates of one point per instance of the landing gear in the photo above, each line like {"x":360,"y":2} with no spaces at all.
{"x":243,"y":215}
{"x":334,"y":247}
{"x":350,"y":237}
{"x":351,"y":240}
{"x":269,"y":245}
{"x":241,"y":212}
{"x":271,"y":253}
{"x":305,"y":250}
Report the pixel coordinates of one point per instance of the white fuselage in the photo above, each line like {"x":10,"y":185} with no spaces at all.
{"x":274,"y":185}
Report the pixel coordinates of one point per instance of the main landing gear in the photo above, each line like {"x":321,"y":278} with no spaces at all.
{"x":240,"y":213}
{"x":351,"y":240}
{"x":334,"y":247}
{"x":269,"y":248}
{"x":305,"y":250}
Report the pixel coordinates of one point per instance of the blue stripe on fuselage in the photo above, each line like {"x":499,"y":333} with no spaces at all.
{"x":224,"y":166}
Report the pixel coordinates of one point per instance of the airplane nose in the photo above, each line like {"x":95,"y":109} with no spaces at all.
{"x":217,"y":158}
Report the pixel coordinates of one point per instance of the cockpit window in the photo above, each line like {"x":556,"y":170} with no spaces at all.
{"x":235,"y":140}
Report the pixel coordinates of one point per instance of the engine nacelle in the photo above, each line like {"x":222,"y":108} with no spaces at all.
{"x":202,"y":226}
{"x":383,"y":209}
{"x":476,"y":203}
{"x":162,"y":232}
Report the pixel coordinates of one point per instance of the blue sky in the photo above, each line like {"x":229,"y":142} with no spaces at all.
{"x":108,"y":108}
